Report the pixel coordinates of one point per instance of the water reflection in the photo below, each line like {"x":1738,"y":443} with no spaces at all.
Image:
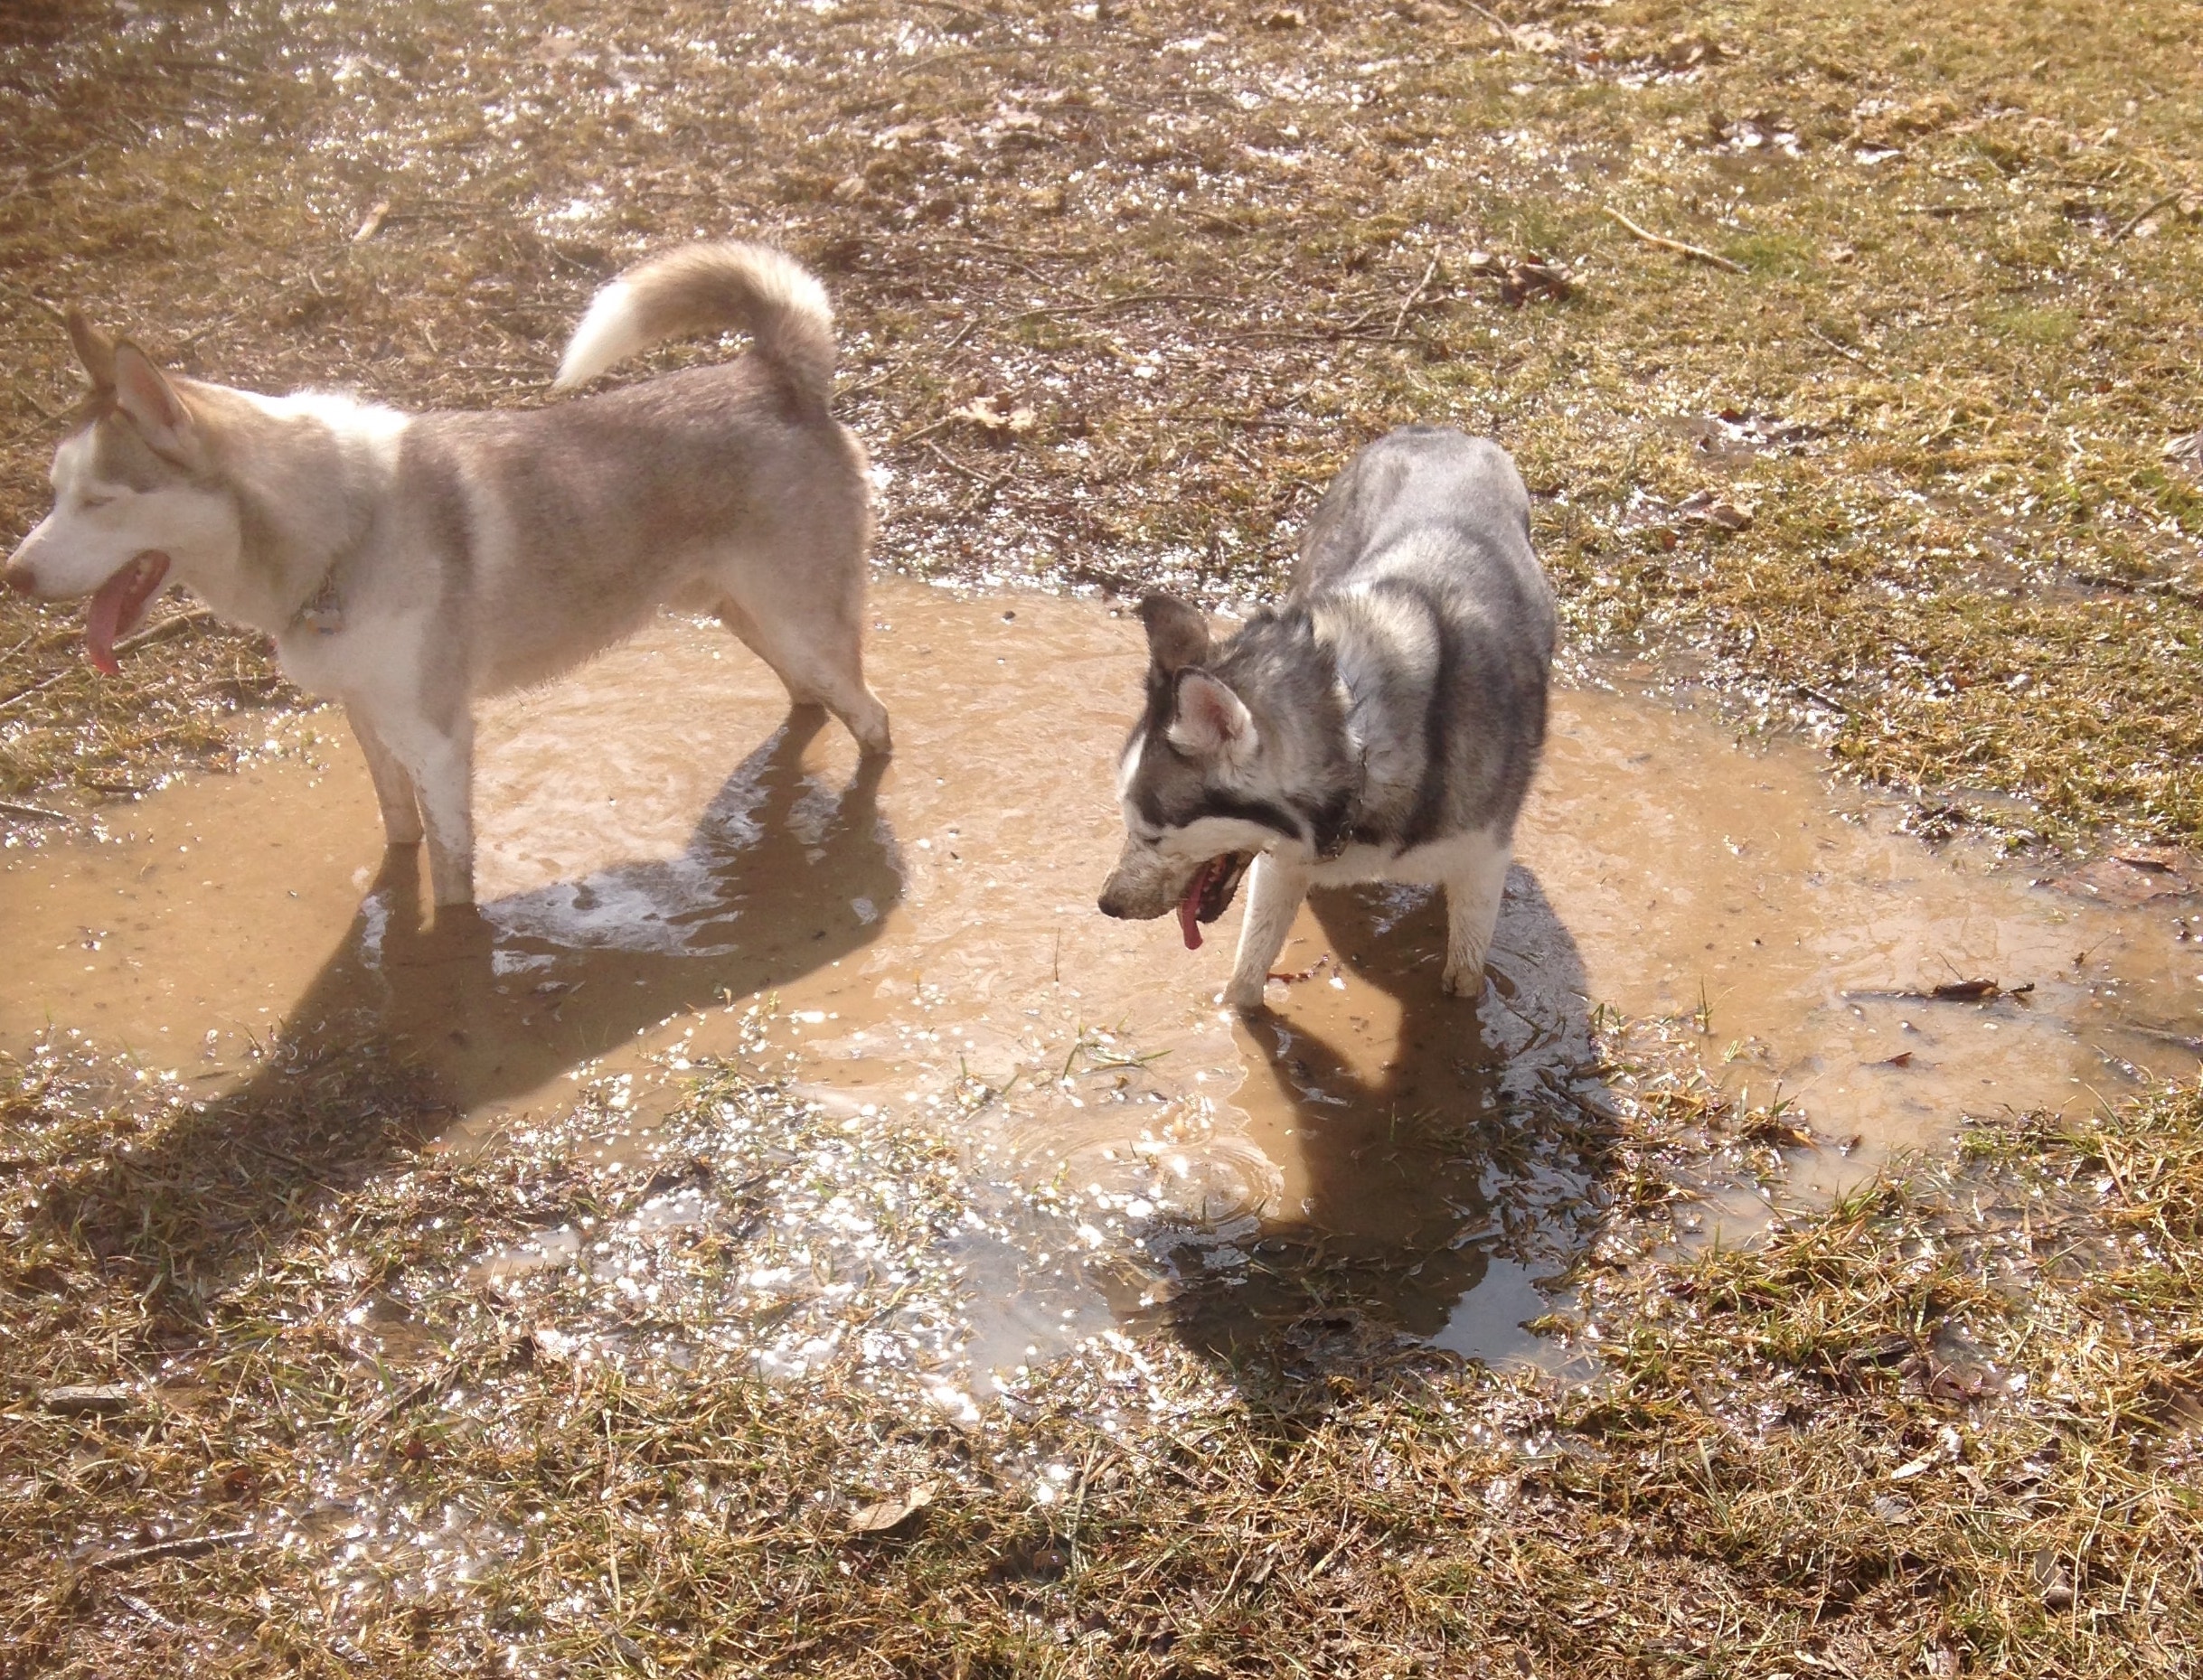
{"x":1435,"y":1146}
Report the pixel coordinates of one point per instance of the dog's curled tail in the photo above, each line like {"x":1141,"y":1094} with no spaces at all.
{"x":708,"y":289}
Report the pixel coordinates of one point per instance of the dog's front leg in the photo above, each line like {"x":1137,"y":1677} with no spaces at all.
{"x":1472,"y":895}
{"x":439,"y":754}
{"x":447,"y":802}
{"x":1275,"y":889}
{"x":393,"y":787}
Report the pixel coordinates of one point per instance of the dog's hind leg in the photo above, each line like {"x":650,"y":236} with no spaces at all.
{"x":819,"y":663}
{"x":1472,"y":892}
{"x":393,"y":787}
{"x":1275,"y":890}
{"x":731,"y":615}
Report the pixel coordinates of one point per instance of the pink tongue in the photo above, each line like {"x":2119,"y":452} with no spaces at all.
{"x":118,"y":606}
{"x":1188,"y":907}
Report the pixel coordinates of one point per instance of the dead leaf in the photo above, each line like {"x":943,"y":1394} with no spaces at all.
{"x":1965,"y":990}
{"x":2154,"y":863}
{"x":372,"y":223}
{"x":987,"y":413}
{"x":1529,"y":278}
{"x":2130,"y":877}
{"x":2051,"y":1581}
{"x":1704,"y":508}
{"x":88,"y":1399}
{"x":877,"y":1518}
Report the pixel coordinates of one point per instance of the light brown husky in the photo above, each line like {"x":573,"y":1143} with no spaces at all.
{"x":406,"y":564}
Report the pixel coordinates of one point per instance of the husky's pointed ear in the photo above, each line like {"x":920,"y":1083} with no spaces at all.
{"x":143,"y":392}
{"x":1211,"y":722}
{"x":95,"y":350}
{"x":1177,"y":634}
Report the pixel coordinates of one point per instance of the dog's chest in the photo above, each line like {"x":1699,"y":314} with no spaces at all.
{"x":1427,"y":865}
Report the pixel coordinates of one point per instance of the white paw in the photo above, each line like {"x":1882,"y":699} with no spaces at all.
{"x":1242,"y":999}
{"x":1464,"y":980}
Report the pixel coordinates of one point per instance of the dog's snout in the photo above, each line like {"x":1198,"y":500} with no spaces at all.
{"x":20,"y":580}
{"x":1112,"y":900}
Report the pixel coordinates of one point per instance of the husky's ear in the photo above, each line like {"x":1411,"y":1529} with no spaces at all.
{"x":1212,"y":722}
{"x":95,"y":350}
{"x":143,"y":392}
{"x":1177,"y":634}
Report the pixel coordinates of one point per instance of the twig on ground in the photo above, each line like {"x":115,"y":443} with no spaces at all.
{"x":1413,"y":298}
{"x":32,"y":814}
{"x":2148,"y":211}
{"x":1131,"y":300}
{"x":1497,"y":22}
{"x":918,"y":433}
{"x":1820,"y":698}
{"x":153,"y":633}
{"x":1842,"y":348}
{"x":168,"y":627}
{"x":39,"y":687}
{"x":189,"y":1545}
{"x":972,"y":473}
{"x":887,"y":373}
{"x":1697,"y":253}
{"x":1950,"y":992}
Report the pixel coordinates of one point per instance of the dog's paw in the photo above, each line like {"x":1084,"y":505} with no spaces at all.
{"x":1464,"y":982}
{"x":1243,"y":1000}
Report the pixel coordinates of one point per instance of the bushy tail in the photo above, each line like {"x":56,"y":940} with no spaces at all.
{"x":708,"y":289}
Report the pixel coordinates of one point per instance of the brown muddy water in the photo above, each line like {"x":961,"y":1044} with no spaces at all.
{"x":673,"y":869}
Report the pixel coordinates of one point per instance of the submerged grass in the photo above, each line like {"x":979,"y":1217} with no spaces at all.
{"x":1908,"y":475}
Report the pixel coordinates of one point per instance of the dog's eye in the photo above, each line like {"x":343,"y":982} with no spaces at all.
{"x":97,"y":502}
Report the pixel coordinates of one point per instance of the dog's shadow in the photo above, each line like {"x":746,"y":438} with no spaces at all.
{"x":783,"y":875}
{"x":1446,"y":1169}
{"x":406,"y":1028}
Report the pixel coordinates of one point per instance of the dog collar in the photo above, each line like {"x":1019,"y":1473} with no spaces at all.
{"x":322,"y":612}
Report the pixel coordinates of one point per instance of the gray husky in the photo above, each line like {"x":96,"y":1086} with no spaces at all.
{"x":406,"y":564}
{"x":1383,"y":725}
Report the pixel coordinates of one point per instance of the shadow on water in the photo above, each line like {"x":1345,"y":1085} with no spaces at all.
{"x":1450,"y":1165}
{"x":406,"y":1026}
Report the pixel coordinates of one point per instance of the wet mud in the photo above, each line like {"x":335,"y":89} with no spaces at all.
{"x":673,"y":868}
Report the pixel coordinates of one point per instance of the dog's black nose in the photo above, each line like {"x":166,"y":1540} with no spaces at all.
{"x":1108,"y":907}
{"x":20,"y":581}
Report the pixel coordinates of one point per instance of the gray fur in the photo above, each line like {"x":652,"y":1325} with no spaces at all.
{"x":1393,"y":709}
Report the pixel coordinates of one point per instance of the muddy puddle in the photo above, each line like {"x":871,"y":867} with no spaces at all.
{"x":673,"y":869}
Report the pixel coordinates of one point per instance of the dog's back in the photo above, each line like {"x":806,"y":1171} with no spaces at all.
{"x":564,"y":528}
{"x":1420,"y":553}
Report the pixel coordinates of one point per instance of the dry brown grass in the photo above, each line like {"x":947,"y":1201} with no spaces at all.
{"x":1946,"y":1427}
{"x":1215,"y":248}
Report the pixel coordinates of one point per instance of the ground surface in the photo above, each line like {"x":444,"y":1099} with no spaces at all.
{"x":1913,"y":474}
